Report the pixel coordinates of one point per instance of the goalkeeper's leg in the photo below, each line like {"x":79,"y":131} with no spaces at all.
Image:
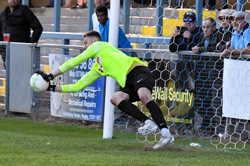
{"x":120,"y":100}
{"x":156,"y":113}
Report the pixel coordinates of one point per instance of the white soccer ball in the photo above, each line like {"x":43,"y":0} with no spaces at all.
{"x":38,"y":84}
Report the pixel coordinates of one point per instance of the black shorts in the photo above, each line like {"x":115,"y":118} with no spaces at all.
{"x":139,"y":77}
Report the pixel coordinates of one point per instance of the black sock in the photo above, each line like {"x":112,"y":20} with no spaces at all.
{"x":132,"y":110}
{"x":156,"y":114}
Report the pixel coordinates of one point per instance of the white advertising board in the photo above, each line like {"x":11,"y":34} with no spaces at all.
{"x":236,"y":89}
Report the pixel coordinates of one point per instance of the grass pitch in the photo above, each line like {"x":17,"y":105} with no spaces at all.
{"x":34,"y":143}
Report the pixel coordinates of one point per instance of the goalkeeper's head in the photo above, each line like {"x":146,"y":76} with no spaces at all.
{"x":90,"y":37}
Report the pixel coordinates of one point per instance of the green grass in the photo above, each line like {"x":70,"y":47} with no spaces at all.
{"x":34,"y":143}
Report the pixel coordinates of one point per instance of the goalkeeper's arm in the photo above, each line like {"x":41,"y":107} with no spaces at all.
{"x":70,"y":64}
{"x":86,"y":80}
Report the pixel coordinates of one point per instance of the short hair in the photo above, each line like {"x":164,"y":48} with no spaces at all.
{"x":93,"y":34}
{"x":102,"y":9}
{"x":211,"y":19}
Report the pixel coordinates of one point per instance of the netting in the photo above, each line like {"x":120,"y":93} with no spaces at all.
{"x":189,"y":88}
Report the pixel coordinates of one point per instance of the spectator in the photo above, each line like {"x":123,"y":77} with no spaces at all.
{"x":184,"y":38}
{"x":94,"y":17}
{"x":224,"y":34}
{"x":102,"y":16}
{"x":51,"y":4}
{"x":187,"y":39}
{"x":135,"y":78}
{"x":205,"y":42}
{"x":17,"y":20}
{"x":240,"y":37}
{"x":81,"y":4}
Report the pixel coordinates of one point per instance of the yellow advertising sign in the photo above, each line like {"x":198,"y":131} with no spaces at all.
{"x":176,"y":105}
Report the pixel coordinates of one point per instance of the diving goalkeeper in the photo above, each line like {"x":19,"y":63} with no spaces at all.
{"x":134,"y":77}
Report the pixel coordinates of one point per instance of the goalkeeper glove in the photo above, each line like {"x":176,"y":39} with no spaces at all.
{"x":46,"y":77}
{"x":51,"y":87}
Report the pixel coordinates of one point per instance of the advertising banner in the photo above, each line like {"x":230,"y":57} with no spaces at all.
{"x":88,"y":104}
{"x":174,"y":89}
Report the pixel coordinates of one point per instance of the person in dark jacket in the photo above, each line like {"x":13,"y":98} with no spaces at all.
{"x":18,"y":20}
{"x":224,"y":34}
{"x":206,"y":39}
{"x":185,"y":40}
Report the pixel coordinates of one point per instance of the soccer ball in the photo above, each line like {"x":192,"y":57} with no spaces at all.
{"x":38,"y":84}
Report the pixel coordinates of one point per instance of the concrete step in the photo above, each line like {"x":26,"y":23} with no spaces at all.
{"x":66,"y":28}
{"x":79,"y":20}
{"x":136,"y":20}
{"x":64,"y":12}
{"x":146,"y":12}
{"x":2,"y":73}
{"x":64,"y":20}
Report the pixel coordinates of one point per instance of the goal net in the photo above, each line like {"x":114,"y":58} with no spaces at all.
{"x":204,"y":97}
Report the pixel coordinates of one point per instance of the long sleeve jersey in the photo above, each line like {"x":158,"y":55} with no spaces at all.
{"x":109,"y":61}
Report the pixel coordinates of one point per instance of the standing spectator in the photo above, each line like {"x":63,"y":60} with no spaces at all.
{"x":134,"y":77}
{"x":223,"y":36}
{"x":81,"y":4}
{"x":241,"y":35}
{"x":102,"y":16}
{"x":205,"y":42}
{"x":187,"y":39}
{"x":17,"y":20}
{"x":94,"y":17}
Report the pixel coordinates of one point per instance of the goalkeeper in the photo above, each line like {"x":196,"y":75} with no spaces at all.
{"x":134,"y":77}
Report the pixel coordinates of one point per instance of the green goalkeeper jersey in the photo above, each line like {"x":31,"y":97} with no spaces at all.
{"x":109,"y":61}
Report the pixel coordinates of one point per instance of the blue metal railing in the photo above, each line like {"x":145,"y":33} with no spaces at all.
{"x":66,"y":37}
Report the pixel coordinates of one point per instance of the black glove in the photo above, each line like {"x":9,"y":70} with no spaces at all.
{"x":46,"y":77}
{"x":51,"y":87}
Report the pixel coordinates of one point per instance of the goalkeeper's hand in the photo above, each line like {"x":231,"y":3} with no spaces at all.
{"x":46,"y":77}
